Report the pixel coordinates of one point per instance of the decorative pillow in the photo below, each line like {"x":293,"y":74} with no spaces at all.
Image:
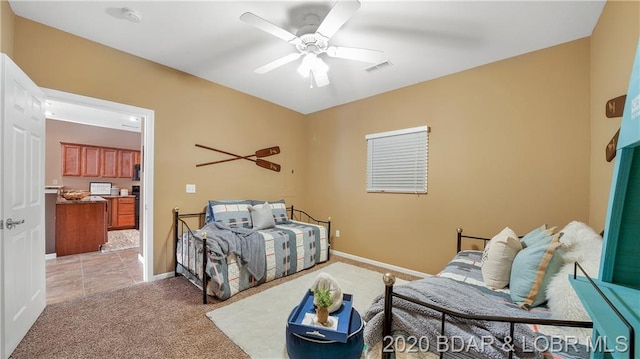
{"x":233,"y":213}
{"x":279,"y":210}
{"x":532,"y":270}
{"x":535,"y":235}
{"x":497,"y":258}
{"x":261,"y":216}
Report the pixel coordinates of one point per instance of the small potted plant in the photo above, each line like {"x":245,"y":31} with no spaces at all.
{"x":322,"y":300}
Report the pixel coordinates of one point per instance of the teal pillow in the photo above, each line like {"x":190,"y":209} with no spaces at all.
{"x":532,"y":270}
{"x":536,"y":235}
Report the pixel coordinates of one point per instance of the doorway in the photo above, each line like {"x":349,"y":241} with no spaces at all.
{"x":146,"y":118}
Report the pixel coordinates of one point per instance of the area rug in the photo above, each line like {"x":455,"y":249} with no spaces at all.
{"x":123,"y":239}
{"x":257,"y":324}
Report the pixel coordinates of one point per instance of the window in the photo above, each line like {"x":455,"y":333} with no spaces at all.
{"x":397,"y":161}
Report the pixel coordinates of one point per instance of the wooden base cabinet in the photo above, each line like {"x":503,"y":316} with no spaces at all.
{"x":121,"y":212}
{"x":81,"y":227}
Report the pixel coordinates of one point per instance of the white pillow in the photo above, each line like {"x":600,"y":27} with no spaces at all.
{"x":497,"y":258}
{"x":262,"y":216}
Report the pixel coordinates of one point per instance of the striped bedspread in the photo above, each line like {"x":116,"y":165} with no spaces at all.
{"x":289,"y":248}
{"x":414,"y":326}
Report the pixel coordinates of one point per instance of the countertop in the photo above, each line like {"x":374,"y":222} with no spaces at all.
{"x":87,"y":199}
{"x":129,"y":196}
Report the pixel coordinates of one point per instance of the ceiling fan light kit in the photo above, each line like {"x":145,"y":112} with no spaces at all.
{"x":312,"y":40}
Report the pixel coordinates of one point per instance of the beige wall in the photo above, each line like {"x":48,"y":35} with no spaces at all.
{"x":62,"y":131}
{"x":511,"y":142}
{"x":188,"y":110}
{"x":7,"y":21}
{"x":613,"y":47}
{"x":509,"y":146}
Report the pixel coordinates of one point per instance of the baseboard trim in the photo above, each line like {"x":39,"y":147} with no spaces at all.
{"x":338,"y":253}
{"x":163,"y":276}
{"x":380,"y":264}
{"x":50,"y":256}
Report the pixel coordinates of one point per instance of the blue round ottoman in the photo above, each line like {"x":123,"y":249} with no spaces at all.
{"x":301,"y":347}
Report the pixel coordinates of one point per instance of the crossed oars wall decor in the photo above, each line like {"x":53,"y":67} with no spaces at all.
{"x":614,"y":108}
{"x":265,"y":152}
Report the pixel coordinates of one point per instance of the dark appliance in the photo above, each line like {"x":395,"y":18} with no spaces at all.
{"x":135,"y":191}
{"x":136,"y":172}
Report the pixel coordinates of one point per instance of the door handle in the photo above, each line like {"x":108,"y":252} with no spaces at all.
{"x":10,"y":223}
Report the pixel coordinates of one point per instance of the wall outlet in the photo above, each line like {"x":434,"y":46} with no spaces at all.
{"x":191,"y":188}
{"x":337,"y":233}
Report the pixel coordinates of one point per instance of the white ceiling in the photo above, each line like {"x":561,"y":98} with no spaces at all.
{"x":422,"y":39}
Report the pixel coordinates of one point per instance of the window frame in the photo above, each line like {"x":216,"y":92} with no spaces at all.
{"x":403,"y":137}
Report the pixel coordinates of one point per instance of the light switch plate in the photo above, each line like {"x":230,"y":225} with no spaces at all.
{"x":191,"y":188}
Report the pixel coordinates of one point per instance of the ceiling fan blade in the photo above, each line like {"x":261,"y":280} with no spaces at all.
{"x":269,"y":27}
{"x":277,"y":63}
{"x":352,"y":53}
{"x":337,"y":16}
{"x":320,"y":77}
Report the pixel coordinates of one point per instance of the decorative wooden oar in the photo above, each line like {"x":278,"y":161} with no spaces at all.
{"x":614,"y":108}
{"x":265,"y":152}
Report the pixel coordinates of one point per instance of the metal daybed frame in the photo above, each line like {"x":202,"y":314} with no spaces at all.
{"x":181,"y":226}
{"x":389,"y":280}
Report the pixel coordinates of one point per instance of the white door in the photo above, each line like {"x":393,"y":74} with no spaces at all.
{"x":22,"y":246}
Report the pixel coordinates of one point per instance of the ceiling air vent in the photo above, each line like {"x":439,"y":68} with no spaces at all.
{"x":378,"y":66}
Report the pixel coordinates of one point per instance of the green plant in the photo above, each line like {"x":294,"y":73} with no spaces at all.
{"x":322,"y":297}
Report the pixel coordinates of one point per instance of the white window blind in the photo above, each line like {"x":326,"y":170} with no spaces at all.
{"x":397,"y":160}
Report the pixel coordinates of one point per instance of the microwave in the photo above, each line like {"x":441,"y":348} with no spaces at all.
{"x":136,"y":172}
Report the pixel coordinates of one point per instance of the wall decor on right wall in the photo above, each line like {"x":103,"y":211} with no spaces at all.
{"x":612,"y":109}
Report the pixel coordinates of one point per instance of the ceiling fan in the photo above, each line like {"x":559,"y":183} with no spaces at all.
{"x":312,"y":40}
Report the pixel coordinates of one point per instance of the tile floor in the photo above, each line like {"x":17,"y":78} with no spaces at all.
{"x":79,"y":275}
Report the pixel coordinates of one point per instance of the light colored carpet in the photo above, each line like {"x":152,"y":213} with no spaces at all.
{"x":257,"y":324}
{"x":122,"y":239}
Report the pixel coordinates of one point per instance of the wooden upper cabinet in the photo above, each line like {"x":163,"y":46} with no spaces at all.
{"x":71,"y":155}
{"x":109,"y":162}
{"x":125,"y":163}
{"x":98,"y":161}
{"x":90,"y":161}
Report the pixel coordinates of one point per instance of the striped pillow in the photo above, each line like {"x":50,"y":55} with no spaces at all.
{"x":233,"y":213}
{"x":532,"y":270}
{"x":279,"y":210}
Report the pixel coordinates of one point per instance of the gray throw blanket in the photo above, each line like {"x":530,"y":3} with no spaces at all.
{"x":424,"y":323}
{"x":246,"y":244}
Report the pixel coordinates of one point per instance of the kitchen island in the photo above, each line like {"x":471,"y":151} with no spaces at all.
{"x":81,"y":225}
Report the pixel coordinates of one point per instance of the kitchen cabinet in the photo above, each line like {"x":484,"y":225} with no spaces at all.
{"x":120,"y":212}
{"x":109,"y":162}
{"x":98,"y":161}
{"x":71,"y":154}
{"x":125,"y":162}
{"x":90,"y":157}
{"x":81,"y":225}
